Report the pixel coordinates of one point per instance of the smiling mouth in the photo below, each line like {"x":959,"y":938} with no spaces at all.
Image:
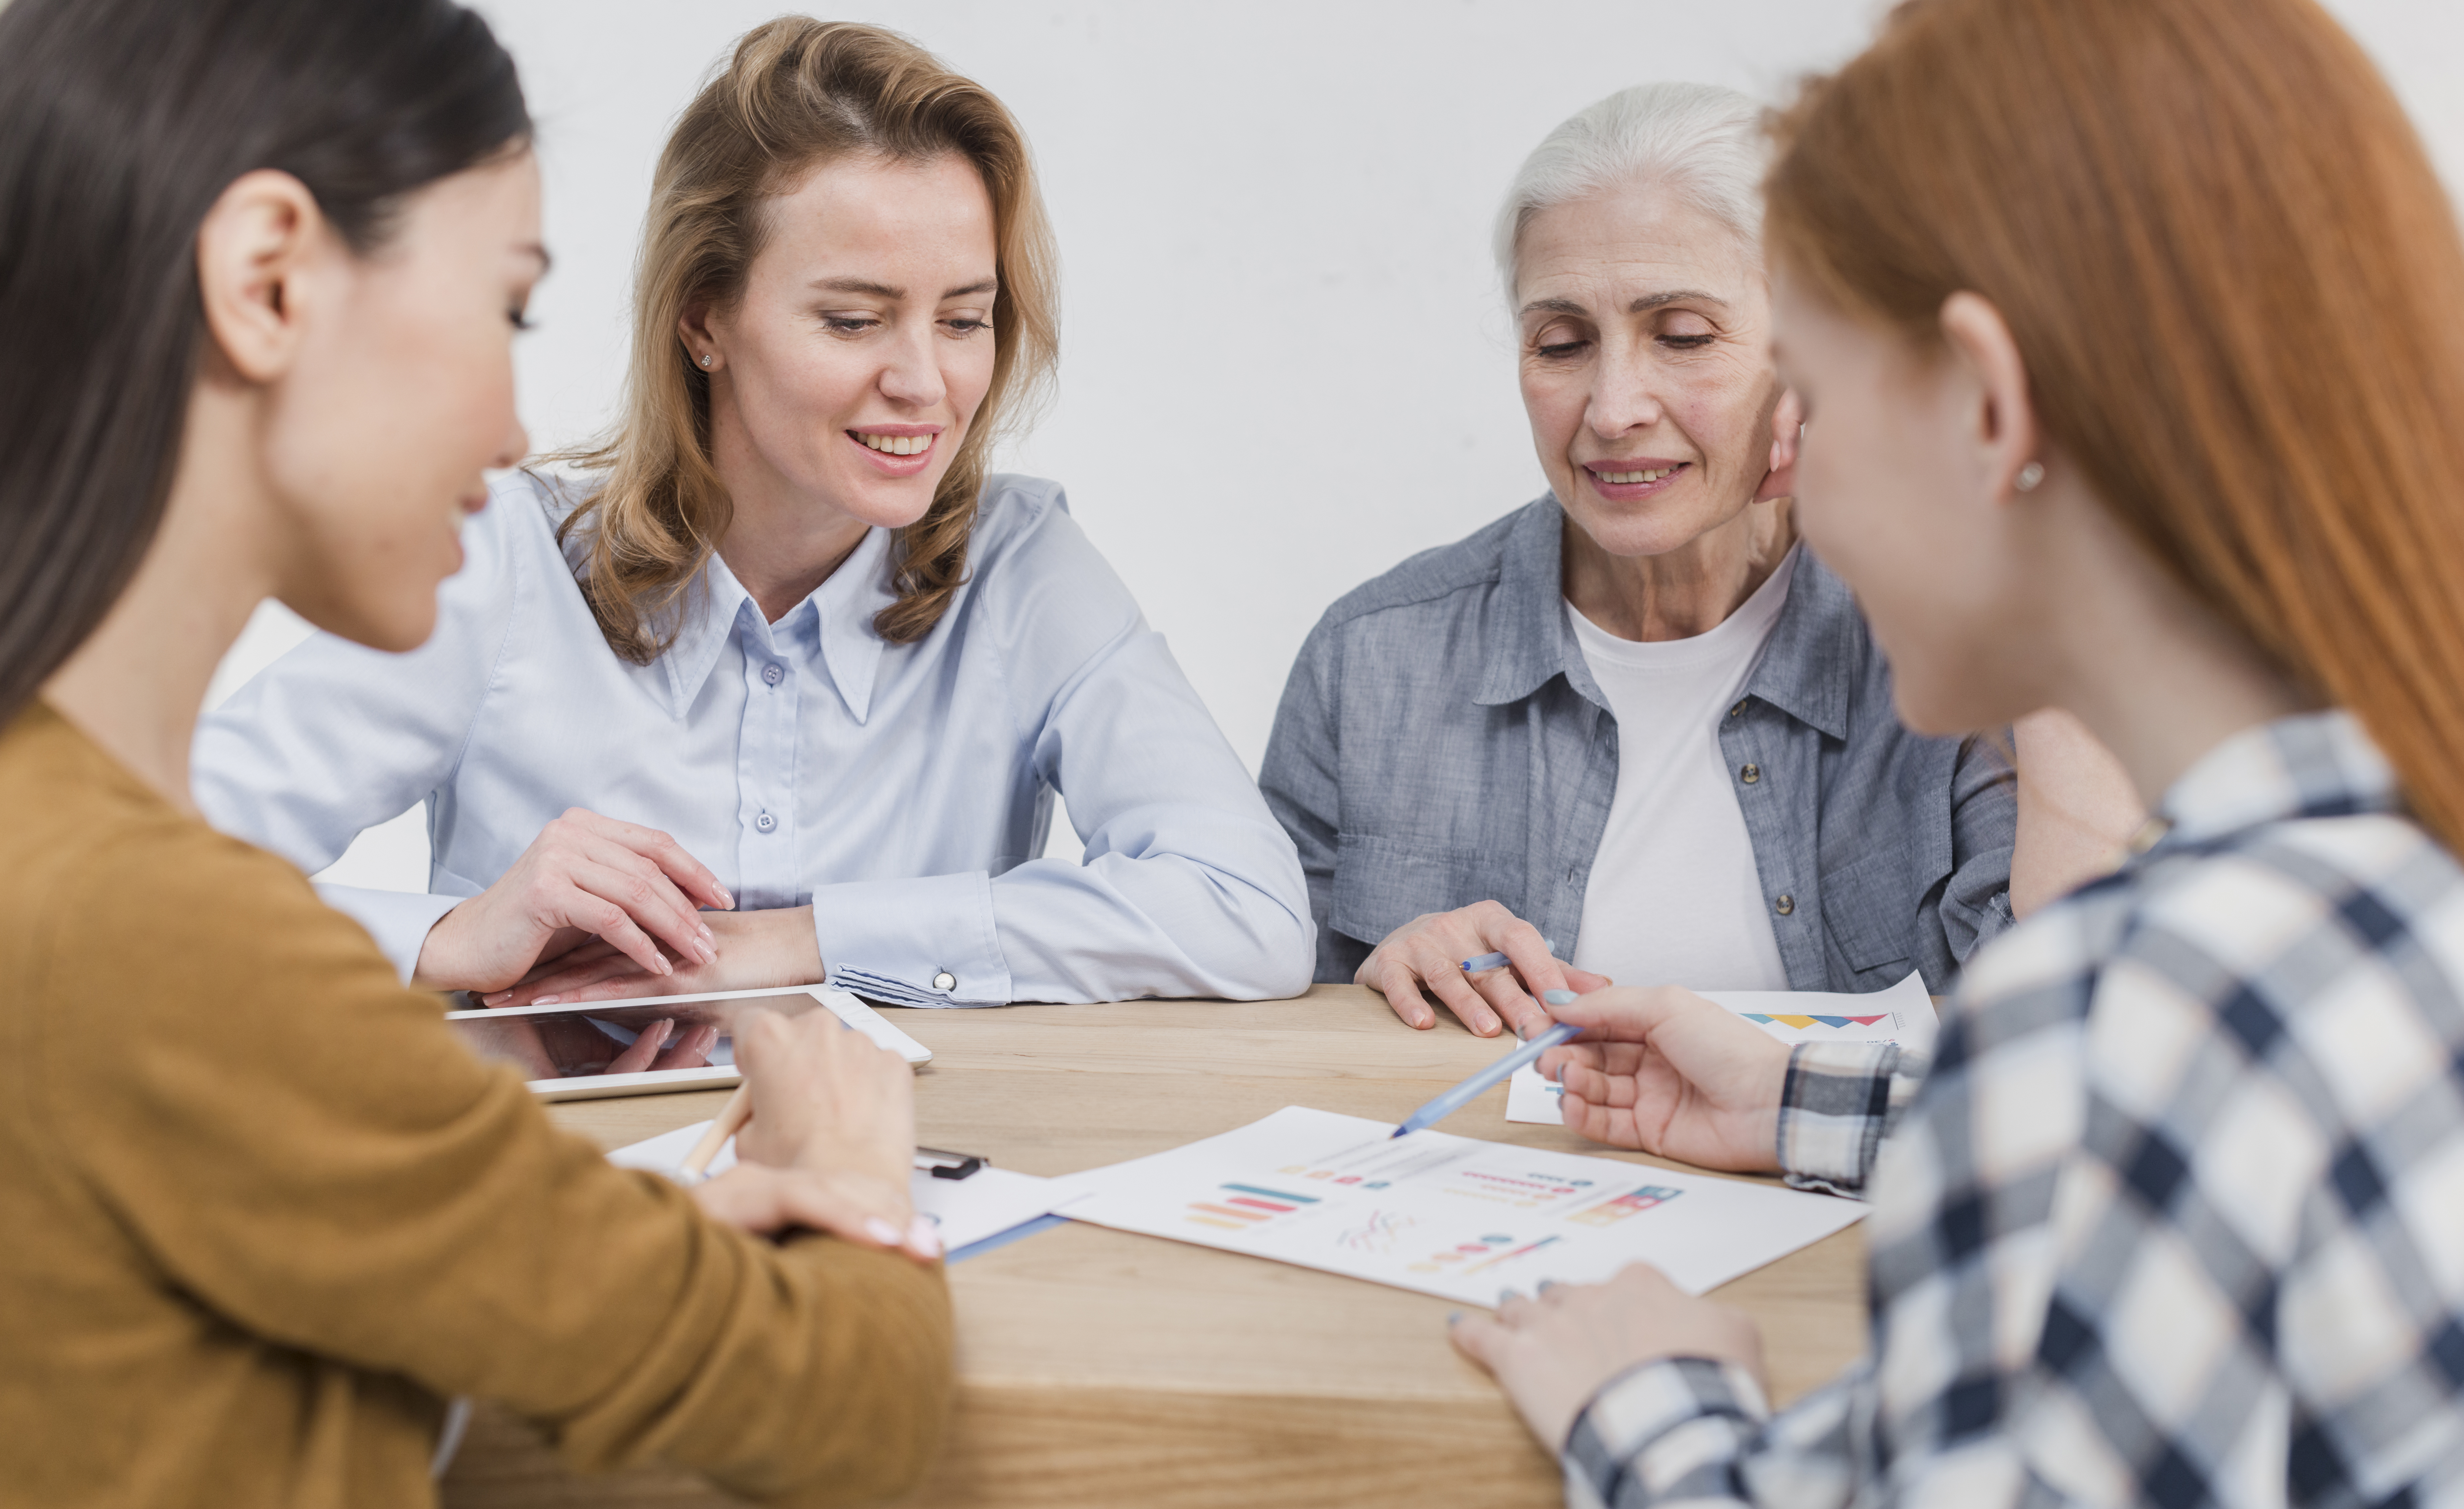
{"x":1627,"y":478}
{"x":894,"y":444}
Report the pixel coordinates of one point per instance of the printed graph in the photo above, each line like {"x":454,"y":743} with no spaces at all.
{"x":1521,"y":1189}
{"x":1241,"y":1208}
{"x":1380,"y":1165}
{"x":1802,"y":1022}
{"x":1378,"y":1234}
{"x":1634,"y":1202}
{"x":1480,"y":1255}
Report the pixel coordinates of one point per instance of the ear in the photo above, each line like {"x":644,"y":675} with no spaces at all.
{"x":693,"y":328}
{"x":2002,"y":422}
{"x":1788,"y":418}
{"x":253,"y":250}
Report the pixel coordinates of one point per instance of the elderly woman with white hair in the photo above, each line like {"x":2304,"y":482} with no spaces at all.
{"x":1633,"y":717}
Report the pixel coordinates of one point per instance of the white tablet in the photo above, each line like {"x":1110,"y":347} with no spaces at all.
{"x":566,"y":1050}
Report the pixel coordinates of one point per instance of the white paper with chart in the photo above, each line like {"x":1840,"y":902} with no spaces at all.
{"x":1447,"y":1215}
{"x":1902,"y":1013}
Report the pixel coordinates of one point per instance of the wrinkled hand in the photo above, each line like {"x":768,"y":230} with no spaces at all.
{"x":1668,"y":1072}
{"x":828,"y":1103}
{"x":1427,"y":953}
{"x":753,"y":949}
{"x":584,"y":877}
{"x":1553,"y":1353}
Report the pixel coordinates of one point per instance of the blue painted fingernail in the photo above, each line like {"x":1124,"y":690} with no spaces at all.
{"x":1558,"y":997}
{"x":1547,"y":1284}
{"x":1453,"y":1316}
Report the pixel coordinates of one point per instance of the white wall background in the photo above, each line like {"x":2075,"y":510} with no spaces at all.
{"x":1286,"y":364}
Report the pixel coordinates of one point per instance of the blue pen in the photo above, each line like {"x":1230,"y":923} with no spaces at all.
{"x":1495,"y":961}
{"x":1463,"y":1093}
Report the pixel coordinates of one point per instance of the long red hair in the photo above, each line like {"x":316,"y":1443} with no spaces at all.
{"x":2239,"y":288}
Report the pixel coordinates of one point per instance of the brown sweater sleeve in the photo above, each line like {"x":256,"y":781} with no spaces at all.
{"x":235,"y":1075}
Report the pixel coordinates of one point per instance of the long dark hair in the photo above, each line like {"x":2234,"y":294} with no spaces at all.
{"x":122,"y":122}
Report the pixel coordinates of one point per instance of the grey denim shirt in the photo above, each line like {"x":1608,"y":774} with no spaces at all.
{"x":1442,"y":741}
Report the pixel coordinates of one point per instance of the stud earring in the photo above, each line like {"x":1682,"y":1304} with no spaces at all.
{"x":705,"y":361}
{"x":2026,"y":481}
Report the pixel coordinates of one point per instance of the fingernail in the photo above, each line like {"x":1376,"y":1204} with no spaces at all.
{"x":547,"y":1000}
{"x":1558,"y":997}
{"x":707,"y":936}
{"x":492,"y":1000}
{"x":881,"y":1230}
{"x":661,"y":960}
{"x":923,"y":1237}
{"x":1453,"y":1316}
{"x":1547,"y":1284}
{"x":726,"y":899}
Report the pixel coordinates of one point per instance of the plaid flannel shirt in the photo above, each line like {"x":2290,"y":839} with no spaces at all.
{"x":2177,"y":1215}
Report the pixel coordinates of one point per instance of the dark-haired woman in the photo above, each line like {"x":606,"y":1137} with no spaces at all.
{"x":784,"y":646}
{"x":262,"y":261}
{"x":2129,"y":393}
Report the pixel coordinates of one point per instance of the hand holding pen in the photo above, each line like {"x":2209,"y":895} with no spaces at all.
{"x":1482,"y":962}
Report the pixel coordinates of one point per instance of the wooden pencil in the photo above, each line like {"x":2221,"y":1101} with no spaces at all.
{"x":731,"y":1120}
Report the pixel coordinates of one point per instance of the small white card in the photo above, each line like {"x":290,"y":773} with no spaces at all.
{"x":1901,"y":1014}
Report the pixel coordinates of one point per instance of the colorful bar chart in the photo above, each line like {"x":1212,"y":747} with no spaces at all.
{"x":1238,"y":1207}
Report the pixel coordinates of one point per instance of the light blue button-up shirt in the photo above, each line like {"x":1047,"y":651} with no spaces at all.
{"x":903,"y":790}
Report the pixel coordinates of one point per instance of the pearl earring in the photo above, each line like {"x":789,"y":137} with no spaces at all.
{"x":2026,"y":481}
{"x":705,"y":361}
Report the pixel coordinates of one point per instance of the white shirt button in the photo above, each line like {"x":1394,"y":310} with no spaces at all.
{"x":765,"y":822}
{"x":771,"y":675}
{"x":945,"y":982}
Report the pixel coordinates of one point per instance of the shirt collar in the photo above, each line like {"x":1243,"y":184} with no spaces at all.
{"x":1529,"y":641}
{"x":2312,"y":764}
{"x":842,"y":608}
{"x":1808,"y":668}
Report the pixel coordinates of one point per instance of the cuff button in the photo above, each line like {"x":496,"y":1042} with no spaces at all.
{"x":945,"y":982}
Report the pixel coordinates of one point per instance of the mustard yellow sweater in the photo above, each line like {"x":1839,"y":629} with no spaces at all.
{"x":260,"y":1213}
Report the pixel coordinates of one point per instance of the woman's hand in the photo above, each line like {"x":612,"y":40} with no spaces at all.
{"x":1553,"y":1353}
{"x":754,"y":949}
{"x":839,"y":1115}
{"x":1666,"y":1072}
{"x":1427,"y":953}
{"x":585,"y":875}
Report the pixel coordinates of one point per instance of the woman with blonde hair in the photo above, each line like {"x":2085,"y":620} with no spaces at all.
{"x":782,"y":645}
{"x":2131,"y":338}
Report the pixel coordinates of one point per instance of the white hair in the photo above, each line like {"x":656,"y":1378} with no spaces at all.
{"x":1700,"y":141}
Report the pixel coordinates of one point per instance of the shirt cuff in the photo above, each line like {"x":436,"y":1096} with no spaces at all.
{"x":399,"y":921}
{"x":1835,"y":1106}
{"x":929,"y":942}
{"x":1670,"y":1430}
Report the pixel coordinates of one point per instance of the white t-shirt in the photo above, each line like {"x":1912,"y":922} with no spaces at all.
{"x":1674,"y":896}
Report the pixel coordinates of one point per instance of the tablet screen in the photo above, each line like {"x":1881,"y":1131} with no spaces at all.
{"x":617,"y":1038}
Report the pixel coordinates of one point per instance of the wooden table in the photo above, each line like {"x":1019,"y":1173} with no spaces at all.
{"x":1100,"y":1368}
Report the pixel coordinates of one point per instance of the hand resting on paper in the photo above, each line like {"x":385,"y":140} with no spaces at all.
{"x":584,"y":877}
{"x":752,"y":950}
{"x":831,"y":1140}
{"x":1665,"y":1071}
{"x":1553,"y":1353}
{"x":1428,"y":951}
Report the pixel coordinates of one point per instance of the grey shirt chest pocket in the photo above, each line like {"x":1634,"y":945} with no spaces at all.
{"x":1870,"y":914}
{"x":1380,"y":884}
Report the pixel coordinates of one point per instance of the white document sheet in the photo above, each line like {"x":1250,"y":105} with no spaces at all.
{"x":1904,"y":1013}
{"x":986,"y":1203}
{"x":1446,"y":1215}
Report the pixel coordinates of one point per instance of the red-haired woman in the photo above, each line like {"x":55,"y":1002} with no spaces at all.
{"x":2132,"y":336}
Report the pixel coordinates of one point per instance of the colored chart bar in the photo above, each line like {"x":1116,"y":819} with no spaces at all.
{"x":1273,"y":1194}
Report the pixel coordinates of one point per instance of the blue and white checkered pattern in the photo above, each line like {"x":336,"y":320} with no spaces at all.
{"x":2177,"y":1216}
